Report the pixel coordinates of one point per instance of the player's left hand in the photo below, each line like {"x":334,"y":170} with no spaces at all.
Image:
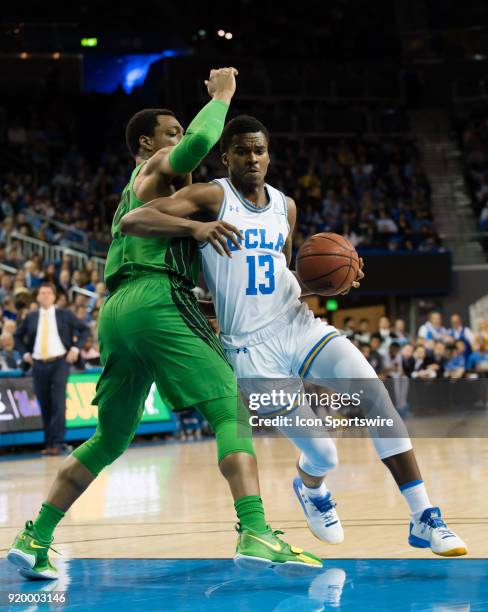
{"x":217,"y":234}
{"x":356,"y":283}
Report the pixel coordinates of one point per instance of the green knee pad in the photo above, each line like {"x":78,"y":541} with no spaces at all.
{"x":229,"y":419}
{"x":101,"y":450}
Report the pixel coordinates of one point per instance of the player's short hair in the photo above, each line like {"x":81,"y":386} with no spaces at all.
{"x":243,"y":124}
{"x":143,"y":124}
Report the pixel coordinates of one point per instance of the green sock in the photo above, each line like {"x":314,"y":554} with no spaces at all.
{"x":46,"y":522}
{"x":250,"y":513}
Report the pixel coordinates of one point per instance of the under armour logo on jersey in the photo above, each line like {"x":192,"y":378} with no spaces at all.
{"x":234,"y":208}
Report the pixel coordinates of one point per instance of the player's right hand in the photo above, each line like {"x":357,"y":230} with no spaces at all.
{"x":221,"y":84}
{"x":216,"y":233}
{"x":356,"y":283}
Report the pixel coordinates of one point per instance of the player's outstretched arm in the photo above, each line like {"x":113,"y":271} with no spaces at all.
{"x":168,"y":217}
{"x":205,"y":129}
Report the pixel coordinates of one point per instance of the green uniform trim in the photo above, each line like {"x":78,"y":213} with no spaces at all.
{"x":193,"y":316}
{"x":202,"y":133}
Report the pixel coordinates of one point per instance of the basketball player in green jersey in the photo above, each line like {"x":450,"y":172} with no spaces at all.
{"x":151,"y":330}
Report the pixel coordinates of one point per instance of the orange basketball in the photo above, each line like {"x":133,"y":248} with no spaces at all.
{"x":327,"y":263}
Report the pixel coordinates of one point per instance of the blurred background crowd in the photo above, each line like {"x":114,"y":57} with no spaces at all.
{"x":77,"y":288}
{"x":374,"y":190}
{"x":435,"y":350}
{"x":474,"y":144}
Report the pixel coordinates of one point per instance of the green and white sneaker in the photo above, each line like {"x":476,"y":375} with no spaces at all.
{"x":256,"y":551}
{"x":30,"y":555}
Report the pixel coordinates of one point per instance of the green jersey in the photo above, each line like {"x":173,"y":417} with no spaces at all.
{"x":130,"y":255}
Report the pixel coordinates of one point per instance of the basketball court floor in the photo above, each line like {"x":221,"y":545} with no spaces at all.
{"x":155,"y":532}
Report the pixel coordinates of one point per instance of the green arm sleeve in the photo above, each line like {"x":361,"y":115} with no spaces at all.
{"x":201,"y":135}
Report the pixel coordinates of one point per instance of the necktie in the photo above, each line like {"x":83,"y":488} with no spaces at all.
{"x":45,"y":335}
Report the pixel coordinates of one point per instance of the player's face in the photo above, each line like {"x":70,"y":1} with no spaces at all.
{"x":167,"y":133}
{"x":247,"y":159}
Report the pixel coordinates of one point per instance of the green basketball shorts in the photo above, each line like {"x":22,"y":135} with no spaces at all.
{"x":151,"y":330}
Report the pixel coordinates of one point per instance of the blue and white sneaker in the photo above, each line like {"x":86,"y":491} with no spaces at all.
{"x":322,"y":518}
{"x":327,"y":587}
{"x":430,"y":531}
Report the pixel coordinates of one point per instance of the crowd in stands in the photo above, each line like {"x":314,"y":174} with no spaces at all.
{"x":373,"y":191}
{"x":435,"y":351}
{"x":474,"y":143}
{"x":62,"y":202}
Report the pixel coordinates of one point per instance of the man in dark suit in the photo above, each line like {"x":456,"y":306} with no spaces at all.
{"x":50,"y":340}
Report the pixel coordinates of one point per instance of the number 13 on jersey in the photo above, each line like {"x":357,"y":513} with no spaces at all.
{"x":263,"y":261}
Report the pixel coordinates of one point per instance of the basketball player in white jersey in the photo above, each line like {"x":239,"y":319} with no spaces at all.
{"x":268,"y":333}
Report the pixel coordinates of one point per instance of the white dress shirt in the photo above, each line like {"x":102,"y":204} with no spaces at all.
{"x":55,"y":347}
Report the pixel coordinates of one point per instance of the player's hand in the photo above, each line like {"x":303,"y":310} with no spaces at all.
{"x":356,"y":283}
{"x":217,"y":233}
{"x":221,"y":84}
{"x":28,"y":358}
{"x":72,"y":356}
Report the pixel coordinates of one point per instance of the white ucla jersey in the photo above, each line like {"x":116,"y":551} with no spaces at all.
{"x":253,"y":287}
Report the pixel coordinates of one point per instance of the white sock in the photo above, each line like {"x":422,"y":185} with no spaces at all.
{"x":415,"y":495}
{"x":317,"y":491}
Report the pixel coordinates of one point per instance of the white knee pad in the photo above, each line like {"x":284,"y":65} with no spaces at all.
{"x":388,"y":447}
{"x":319,"y":453}
{"x":318,"y":456}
